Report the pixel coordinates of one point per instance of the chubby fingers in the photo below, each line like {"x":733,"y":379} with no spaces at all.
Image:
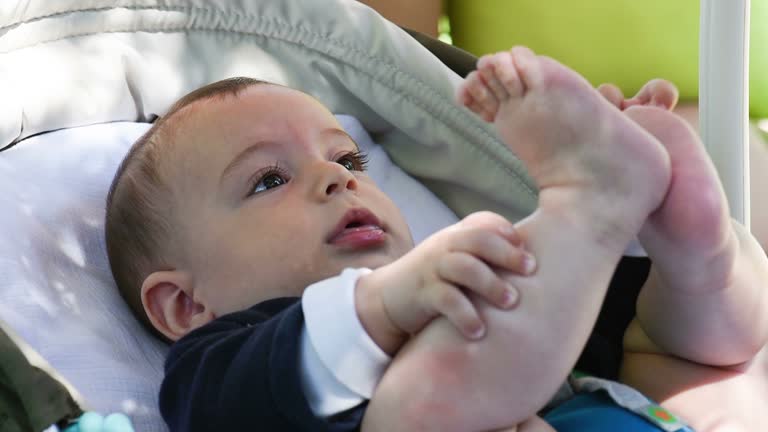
{"x":485,"y":219}
{"x":465,"y":270}
{"x":500,"y":247}
{"x":450,"y":302}
{"x":489,"y":221}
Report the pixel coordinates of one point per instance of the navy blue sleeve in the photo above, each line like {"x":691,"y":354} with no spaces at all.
{"x":241,"y":372}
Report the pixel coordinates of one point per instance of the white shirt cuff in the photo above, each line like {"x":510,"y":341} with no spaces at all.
{"x":340,"y":363}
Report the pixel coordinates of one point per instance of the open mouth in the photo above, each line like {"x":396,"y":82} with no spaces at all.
{"x":358,"y":228}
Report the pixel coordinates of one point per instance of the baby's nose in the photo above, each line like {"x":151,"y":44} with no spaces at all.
{"x":335,"y":179}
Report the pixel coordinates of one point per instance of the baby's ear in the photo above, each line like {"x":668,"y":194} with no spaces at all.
{"x":169,"y":303}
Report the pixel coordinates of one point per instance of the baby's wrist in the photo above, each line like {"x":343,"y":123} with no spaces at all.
{"x":373,"y":315}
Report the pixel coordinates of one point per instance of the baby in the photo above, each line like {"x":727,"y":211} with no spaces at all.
{"x":206,"y":211}
{"x":244,"y":195}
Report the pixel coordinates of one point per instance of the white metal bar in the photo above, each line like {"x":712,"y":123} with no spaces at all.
{"x":724,"y":96}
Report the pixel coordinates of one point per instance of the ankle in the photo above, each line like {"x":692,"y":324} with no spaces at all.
{"x":608,"y":222}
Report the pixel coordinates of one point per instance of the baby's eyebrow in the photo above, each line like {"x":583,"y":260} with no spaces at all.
{"x":241,"y":157}
{"x":340,"y":132}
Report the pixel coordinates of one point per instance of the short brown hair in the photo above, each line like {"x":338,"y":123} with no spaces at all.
{"x":139,"y":208}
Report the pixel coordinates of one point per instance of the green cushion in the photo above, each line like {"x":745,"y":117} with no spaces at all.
{"x":626,"y":42}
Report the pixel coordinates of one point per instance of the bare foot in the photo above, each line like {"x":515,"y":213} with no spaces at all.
{"x":571,"y":139}
{"x":704,"y":297}
{"x":689,"y":237}
{"x":693,"y":219}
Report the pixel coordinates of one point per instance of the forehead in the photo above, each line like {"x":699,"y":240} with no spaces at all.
{"x":225,"y":124}
{"x":258,"y":109}
{"x":206,"y":135}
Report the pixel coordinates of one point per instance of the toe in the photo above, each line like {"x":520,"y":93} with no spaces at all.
{"x":480,"y":92}
{"x":658,"y":92}
{"x":491,"y":103}
{"x":464,"y":97}
{"x":506,"y":75}
{"x":487,"y":66}
{"x":664,"y":94}
{"x":527,"y":66}
{"x":612,"y":93}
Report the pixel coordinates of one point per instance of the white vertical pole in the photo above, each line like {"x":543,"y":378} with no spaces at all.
{"x":724,"y":96}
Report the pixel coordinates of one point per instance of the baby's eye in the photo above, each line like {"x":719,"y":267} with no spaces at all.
{"x":268,"y":182}
{"x":272,"y":178}
{"x":354,"y":161}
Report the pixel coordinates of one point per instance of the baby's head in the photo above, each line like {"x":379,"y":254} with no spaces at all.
{"x":245,"y":191}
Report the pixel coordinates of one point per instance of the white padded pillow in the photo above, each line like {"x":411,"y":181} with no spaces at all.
{"x":57,"y":289}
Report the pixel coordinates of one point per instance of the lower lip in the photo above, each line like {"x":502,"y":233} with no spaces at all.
{"x":359,"y":237}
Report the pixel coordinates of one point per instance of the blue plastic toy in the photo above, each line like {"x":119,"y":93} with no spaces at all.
{"x":95,"y":422}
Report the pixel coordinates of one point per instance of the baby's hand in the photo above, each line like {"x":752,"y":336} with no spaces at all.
{"x":436,"y":277}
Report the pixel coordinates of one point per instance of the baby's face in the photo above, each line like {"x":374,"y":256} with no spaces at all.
{"x":272,"y":198}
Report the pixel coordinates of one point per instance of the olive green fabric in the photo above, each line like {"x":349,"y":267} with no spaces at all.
{"x":626,"y":42}
{"x":31,"y":400}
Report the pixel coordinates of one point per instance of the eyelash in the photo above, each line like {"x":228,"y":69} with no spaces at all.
{"x":359,"y":159}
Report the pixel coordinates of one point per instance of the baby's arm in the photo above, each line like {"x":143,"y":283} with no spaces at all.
{"x":407,"y":284}
{"x":356,"y":321}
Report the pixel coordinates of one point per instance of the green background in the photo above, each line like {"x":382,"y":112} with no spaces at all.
{"x":626,"y":42}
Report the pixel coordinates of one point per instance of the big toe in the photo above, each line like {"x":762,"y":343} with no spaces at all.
{"x":545,"y":73}
{"x":527,"y":66}
{"x":499,"y":72}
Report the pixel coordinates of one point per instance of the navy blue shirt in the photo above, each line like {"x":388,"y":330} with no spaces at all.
{"x":241,"y":372}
